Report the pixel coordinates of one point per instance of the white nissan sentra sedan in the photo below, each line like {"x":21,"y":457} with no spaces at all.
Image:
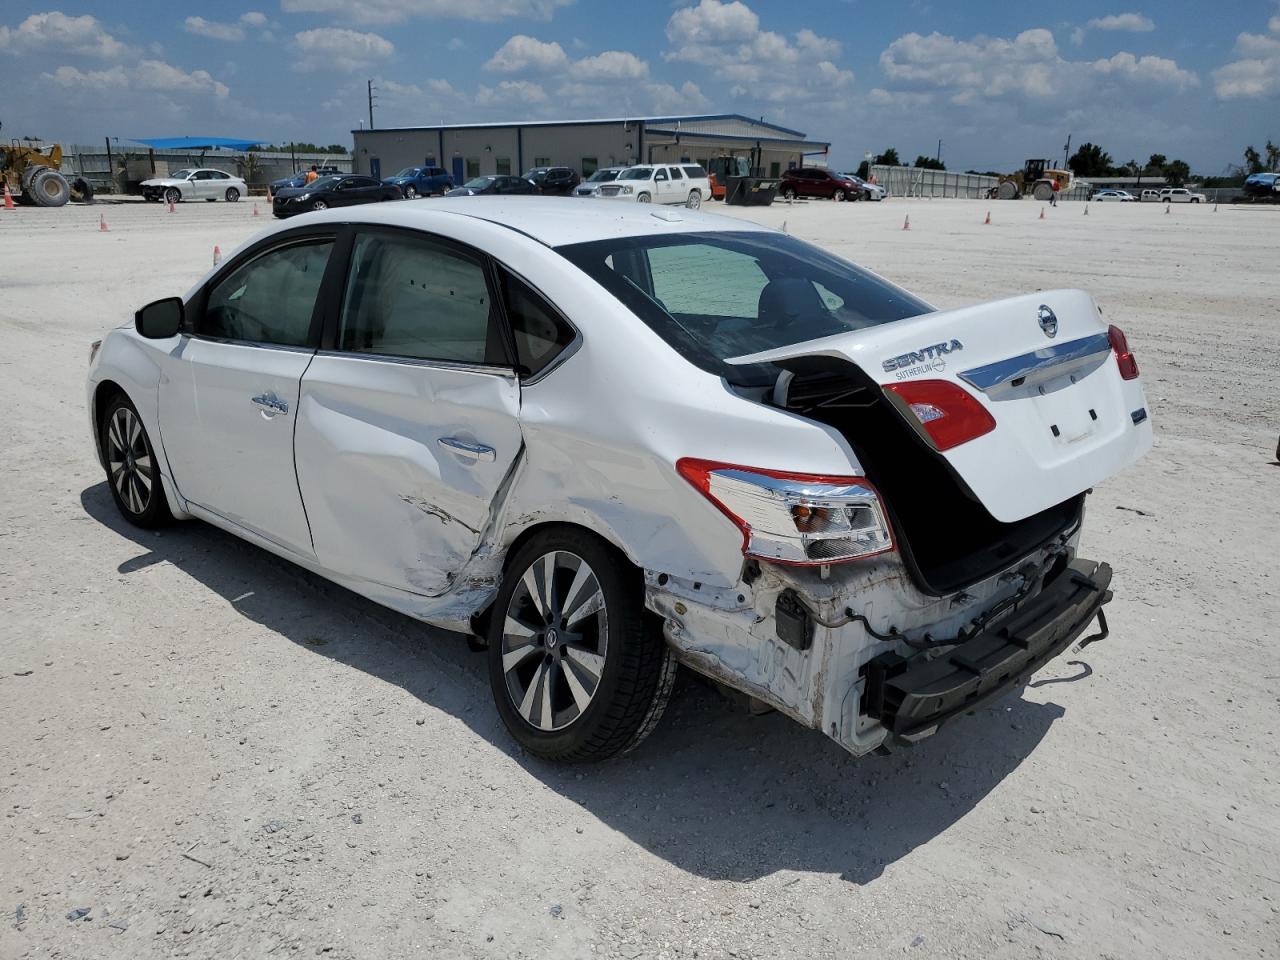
{"x":610,"y":440}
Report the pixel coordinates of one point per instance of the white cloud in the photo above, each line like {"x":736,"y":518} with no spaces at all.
{"x":523,"y":53}
{"x":333,"y":48}
{"x":1256,"y":71}
{"x":611,"y":65}
{"x":757,"y":64}
{"x":1027,"y":67}
{"x":254,"y":19}
{"x":148,"y":75}
{"x":688,"y":98}
{"x":397,"y":11}
{"x":510,"y":93}
{"x":1130,"y":22}
{"x":456,"y":44}
{"x":55,"y":31}
{"x":212,"y":29}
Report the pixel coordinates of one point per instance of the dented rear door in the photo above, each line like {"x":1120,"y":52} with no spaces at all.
{"x":408,"y":426}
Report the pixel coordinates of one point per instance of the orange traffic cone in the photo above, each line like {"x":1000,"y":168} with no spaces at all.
{"x":217,"y":255}
{"x":906,"y":222}
{"x":102,"y":224}
{"x":1042,"y":213}
{"x":8,"y":198}
{"x":987,"y":222}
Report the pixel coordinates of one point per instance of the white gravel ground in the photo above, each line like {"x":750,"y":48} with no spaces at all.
{"x":223,"y":756}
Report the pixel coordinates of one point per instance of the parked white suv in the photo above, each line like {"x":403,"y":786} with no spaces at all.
{"x":1180,"y":195}
{"x":650,"y":437}
{"x":683,"y":183}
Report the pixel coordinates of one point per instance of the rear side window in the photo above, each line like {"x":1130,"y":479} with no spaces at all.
{"x":694,"y":172}
{"x":270,"y":299}
{"x":540,"y":333}
{"x":419,"y":299}
{"x":676,"y":174}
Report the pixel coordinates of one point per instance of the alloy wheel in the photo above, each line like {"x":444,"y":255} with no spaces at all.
{"x":129,"y":460}
{"x":319,"y":205}
{"x":554,"y":641}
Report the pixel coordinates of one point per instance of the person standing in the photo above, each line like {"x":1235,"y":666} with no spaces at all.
{"x":312,"y":175}
{"x":1053,"y":198}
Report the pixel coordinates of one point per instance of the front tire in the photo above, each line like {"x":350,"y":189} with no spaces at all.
{"x":172,"y":195}
{"x":838,"y":196}
{"x":644,"y":198}
{"x":233,"y":194}
{"x":132,"y":471}
{"x":410,"y":192}
{"x":577,"y":670}
{"x":788,"y":194}
{"x":319,"y":205}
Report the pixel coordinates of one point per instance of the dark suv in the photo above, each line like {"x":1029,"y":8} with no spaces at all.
{"x":817,"y":182}
{"x":421,"y":181}
{"x":554,"y":180}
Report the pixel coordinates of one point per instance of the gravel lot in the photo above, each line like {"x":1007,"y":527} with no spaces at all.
{"x":223,"y":756}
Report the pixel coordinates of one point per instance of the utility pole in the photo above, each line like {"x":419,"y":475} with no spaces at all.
{"x":938,"y":158}
{"x":1066,"y":152}
{"x":371,"y":98}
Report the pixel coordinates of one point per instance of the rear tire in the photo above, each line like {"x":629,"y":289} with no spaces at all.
{"x":49,"y":188}
{"x":788,"y":194}
{"x":81,"y":190}
{"x":133,"y":473}
{"x":694,"y":201}
{"x":577,"y":670}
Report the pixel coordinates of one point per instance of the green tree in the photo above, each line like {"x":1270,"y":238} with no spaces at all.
{"x":1156,"y":163}
{"x":929,"y":163}
{"x":1090,"y":161}
{"x":1252,"y":160}
{"x":864,"y":170}
{"x":889,"y":158}
{"x":1177,"y":173}
{"x":1273,"y":155}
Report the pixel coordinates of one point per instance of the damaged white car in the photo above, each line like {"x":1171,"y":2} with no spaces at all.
{"x":607,"y":441}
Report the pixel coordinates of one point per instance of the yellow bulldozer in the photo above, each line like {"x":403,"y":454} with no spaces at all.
{"x":32,"y":174}
{"x":1036,"y":178}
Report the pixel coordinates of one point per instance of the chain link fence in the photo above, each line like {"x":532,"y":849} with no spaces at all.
{"x":132,"y":166}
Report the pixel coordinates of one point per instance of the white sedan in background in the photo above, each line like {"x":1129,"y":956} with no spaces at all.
{"x":1114,"y":196}
{"x":608,"y":440}
{"x":686,"y":184}
{"x":199,"y":184}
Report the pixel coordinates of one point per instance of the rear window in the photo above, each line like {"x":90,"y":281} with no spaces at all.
{"x":714,"y":296}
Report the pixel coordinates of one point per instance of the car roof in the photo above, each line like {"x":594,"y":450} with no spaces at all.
{"x":554,"y":221}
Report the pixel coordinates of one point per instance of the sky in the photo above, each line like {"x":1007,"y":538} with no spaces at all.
{"x":995,"y":82}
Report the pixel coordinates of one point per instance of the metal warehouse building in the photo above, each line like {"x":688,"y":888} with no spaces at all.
{"x":473,"y":150}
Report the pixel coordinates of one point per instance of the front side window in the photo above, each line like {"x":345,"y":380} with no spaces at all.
{"x":540,"y":333}
{"x":676,"y":174}
{"x":270,"y":299}
{"x":715,"y":296}
{"x":420,"y":299}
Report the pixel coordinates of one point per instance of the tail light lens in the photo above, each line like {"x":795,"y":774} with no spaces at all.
{"x":1125,"y":360}
{"x":948,"y":414}
{"x":795,"y":518}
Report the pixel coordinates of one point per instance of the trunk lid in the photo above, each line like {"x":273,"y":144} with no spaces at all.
{"x":1041,"y":364}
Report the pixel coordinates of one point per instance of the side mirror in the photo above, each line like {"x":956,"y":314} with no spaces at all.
{"x":161,"y":319}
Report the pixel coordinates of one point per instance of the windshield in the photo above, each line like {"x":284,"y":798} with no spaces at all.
{"x":636,"y":173}
{"x":714,"y":296}
{"x":535,"y":172}
{"x":479,"y":183}
{"x":181,"y":174}
{"x":600,"y":176}
{"x":408,"y":172}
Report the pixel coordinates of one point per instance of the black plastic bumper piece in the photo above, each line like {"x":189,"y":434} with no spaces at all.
{"x":913,"y":697}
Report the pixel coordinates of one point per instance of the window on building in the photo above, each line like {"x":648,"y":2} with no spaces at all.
{"x":503,"y":166}
{"x":429,"y":161}
{"x":542,"y":161}
{"x":589,"y":166}
{"x":473,"y":167}
{"x":775,"y":168}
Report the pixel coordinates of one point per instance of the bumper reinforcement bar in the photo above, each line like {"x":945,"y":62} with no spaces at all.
{"x":913,"y":697}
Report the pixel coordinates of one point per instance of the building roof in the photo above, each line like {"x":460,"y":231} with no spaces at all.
{"x":789,"y":133}
{"x":197,"y":143}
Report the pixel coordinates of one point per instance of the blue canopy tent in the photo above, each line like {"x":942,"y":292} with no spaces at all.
{"x":197,"y":143}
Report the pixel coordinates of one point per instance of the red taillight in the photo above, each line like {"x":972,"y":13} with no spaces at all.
{"x":1125,"y":360}
{"x":949,"y":414}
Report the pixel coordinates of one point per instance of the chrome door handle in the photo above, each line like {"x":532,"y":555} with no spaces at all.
{"x":272,"y":405}
{"x":470,"y":451}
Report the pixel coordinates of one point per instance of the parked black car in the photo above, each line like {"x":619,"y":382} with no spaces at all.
{"x":554,"y":180}
{"x":339,"y":191}
{"x":496,"y":184}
